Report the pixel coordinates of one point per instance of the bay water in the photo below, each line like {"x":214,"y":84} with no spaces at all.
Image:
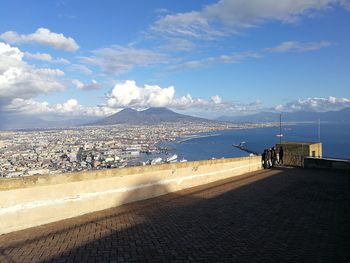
{"x":335,"y":138}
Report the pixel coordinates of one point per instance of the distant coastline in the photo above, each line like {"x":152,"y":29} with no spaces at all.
{"x":334,"y":137}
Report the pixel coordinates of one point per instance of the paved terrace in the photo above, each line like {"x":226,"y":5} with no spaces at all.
{"x":280,"y":215}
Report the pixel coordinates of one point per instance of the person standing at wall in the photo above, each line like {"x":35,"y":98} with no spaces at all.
{"x":264,"y":159}
{"x":273,"y":156}
{"x":280,"y":155}
{"x":269,"y":163}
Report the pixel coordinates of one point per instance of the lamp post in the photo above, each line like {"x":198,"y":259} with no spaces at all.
{"x":280,"y":134}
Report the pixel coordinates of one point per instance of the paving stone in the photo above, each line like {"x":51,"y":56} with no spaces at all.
{"x":279,"y":215}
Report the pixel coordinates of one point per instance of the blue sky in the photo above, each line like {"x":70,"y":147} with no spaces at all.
{"x":208,"y":58}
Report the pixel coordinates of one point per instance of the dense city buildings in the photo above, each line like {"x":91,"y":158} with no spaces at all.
{"x":33,"y":152}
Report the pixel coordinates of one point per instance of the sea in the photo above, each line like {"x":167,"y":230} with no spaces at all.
{"x":335,"y":138}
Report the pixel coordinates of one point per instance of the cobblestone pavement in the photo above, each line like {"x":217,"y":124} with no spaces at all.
{"x":280,"y":215}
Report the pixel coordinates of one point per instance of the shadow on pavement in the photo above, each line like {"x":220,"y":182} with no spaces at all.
{"x":281,"y":215}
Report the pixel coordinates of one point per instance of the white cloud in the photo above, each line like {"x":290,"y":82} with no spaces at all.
{"x":49,"y":71}
{"x":177,"y":44}
{"x":161,"y":10}
{"x":192,"y":24}
{"x":90,"y":86}
{"x":345,"y":4}
{"x":31,"y":106}
{"x":18,"y":79}
{"x":68,"y":108}
{"x":237,"y":57}
{"x":298,"y":46}
{"x":128,"y":94}
{"x":60,"y":61}
{"x":77,"y":83}
{"x":287,"y":46}
{"x":80,"y":69}
{"x":315,"y":104}
{"x":228,"y":59}
{"x":216,"y":99}
{"x":42,"y":36}
{"x":118,"y":59}
{"x":10,"y":53}
{"x":45,"y":57}
{"x":226,"y":17}
{"x":38,"y":56}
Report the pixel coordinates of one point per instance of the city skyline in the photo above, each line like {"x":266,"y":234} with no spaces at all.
{"x":213,"y":58}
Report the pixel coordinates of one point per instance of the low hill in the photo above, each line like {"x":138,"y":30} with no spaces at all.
{"x":301,"y":116}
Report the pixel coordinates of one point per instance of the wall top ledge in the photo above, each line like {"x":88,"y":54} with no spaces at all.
{"x":42,"y":180}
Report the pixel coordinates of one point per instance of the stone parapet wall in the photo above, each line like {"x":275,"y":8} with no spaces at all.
{"x":295,"y":152}
{"x":35,"y":200}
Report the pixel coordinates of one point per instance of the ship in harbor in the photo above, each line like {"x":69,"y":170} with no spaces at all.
{"x":172,"y":159}
{"x":157,"y":160}
{"x":241,"y":145}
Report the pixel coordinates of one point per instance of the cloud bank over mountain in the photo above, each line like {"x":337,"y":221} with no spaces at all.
{"x":315,"y":104}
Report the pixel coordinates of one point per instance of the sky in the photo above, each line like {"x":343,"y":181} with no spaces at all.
{"x":70,"y":58}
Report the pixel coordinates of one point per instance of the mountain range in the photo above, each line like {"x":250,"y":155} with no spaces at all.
{"x":300,"y":116}
{"x":151,"y":116}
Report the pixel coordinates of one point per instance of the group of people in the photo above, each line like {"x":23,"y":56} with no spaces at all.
{"x":270,"y":158}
